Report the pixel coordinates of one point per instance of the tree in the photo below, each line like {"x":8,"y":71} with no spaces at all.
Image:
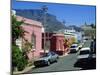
{"x":90,"y":32}
{"x":74,"y":40}
{"x":67,"y":43}
{"x":19,"y":59}
{"x":93,"y":26}
{"x":27,"y":46}
{"x":17,"y":30}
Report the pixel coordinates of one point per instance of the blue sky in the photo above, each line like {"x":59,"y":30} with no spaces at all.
{"x":72,"y":14}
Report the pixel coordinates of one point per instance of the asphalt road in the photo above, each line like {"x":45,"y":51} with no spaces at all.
{"x":65,"y":63}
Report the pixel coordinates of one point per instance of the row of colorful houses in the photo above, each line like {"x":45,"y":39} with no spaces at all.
{"x":35,"y":35}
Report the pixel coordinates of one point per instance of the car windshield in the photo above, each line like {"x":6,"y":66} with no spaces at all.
{"x":84,"y":52}
{"x":73,"y":46}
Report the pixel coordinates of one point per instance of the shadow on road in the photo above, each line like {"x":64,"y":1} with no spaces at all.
{"x":91,"y":64}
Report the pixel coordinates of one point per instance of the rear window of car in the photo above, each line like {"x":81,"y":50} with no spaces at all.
{"x":73,"y":46}
{"x":45,"y":55}
{"x":52,"y":53}
{"x":84,"y":52}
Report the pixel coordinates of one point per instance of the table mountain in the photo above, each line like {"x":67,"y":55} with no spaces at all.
{"x":52,"y":24}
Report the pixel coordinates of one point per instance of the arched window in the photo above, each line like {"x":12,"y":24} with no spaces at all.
{"x":33,"y":40}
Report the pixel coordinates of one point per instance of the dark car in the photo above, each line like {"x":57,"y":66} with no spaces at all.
{"x":46,"y":59}
{"x":85,"y":59}
{"x":93,"y":46}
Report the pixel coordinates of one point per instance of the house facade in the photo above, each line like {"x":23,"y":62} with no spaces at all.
{"x":33,"y":35}
{"x":71,"y":33}
{"x":57,"y":44}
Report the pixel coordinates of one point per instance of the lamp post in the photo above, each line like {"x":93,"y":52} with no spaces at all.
{"x":44,"y":8}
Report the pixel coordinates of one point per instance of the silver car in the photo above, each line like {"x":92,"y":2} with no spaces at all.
{"x":46,"y":59}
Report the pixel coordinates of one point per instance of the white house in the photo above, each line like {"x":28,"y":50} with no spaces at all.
{"x":72,"y":33}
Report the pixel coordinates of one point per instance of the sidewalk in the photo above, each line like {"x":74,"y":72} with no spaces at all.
{"x":30,"y":67}
{"x":64,"y":55}
{"x":25,"y":70}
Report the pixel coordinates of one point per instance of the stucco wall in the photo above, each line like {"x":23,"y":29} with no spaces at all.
{"x":32,"y":27}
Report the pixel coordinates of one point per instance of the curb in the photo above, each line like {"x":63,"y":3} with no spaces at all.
{"x":30,"y":67}
{"x":25,"y":70}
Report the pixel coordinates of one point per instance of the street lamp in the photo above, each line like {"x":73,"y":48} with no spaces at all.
{"x":44,"y":8}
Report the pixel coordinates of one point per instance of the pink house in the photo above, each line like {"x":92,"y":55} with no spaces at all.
{"x":34,"y":35}
{"x":57,"y":44}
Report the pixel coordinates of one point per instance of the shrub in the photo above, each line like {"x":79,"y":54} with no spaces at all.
{"x":18,"y":60}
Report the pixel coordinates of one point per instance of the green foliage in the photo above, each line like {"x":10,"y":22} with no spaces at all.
{"x":23,"y":62}
{"x":93,"y":26}
{"x":90,"y":32}
{"x":74,"y":40}
{"x":18,"y":59}
{"x":67,"y":43}
{"x":27,"y":46}
{"x":17,"y":31}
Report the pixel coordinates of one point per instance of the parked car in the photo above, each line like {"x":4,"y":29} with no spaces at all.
{"x":84,"y":55}
{"x":74,"y":48}
{"x":46,"y":59}
{"x":93,"y":46}
{"x":85,"y":59}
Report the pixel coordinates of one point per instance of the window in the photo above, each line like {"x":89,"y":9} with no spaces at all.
{"x":52,"y":53}
{"x":73,"y":46}
{"x":84,"y":52}
{"x":33,"y":41}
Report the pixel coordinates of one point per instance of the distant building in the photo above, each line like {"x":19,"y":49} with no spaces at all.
{"x":69,"y":33}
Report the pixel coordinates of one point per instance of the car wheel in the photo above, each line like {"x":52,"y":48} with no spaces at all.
{"x":55,"y":60}
{"x":57,"y":57}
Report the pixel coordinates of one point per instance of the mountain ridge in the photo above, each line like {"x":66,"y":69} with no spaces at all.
{"x":52,"y":24}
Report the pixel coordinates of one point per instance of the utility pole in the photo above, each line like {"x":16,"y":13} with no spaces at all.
{"x":44,"y":8}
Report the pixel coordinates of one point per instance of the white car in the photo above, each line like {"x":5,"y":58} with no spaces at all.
{"x":74,"y":48}
{"x":84,"y":55}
